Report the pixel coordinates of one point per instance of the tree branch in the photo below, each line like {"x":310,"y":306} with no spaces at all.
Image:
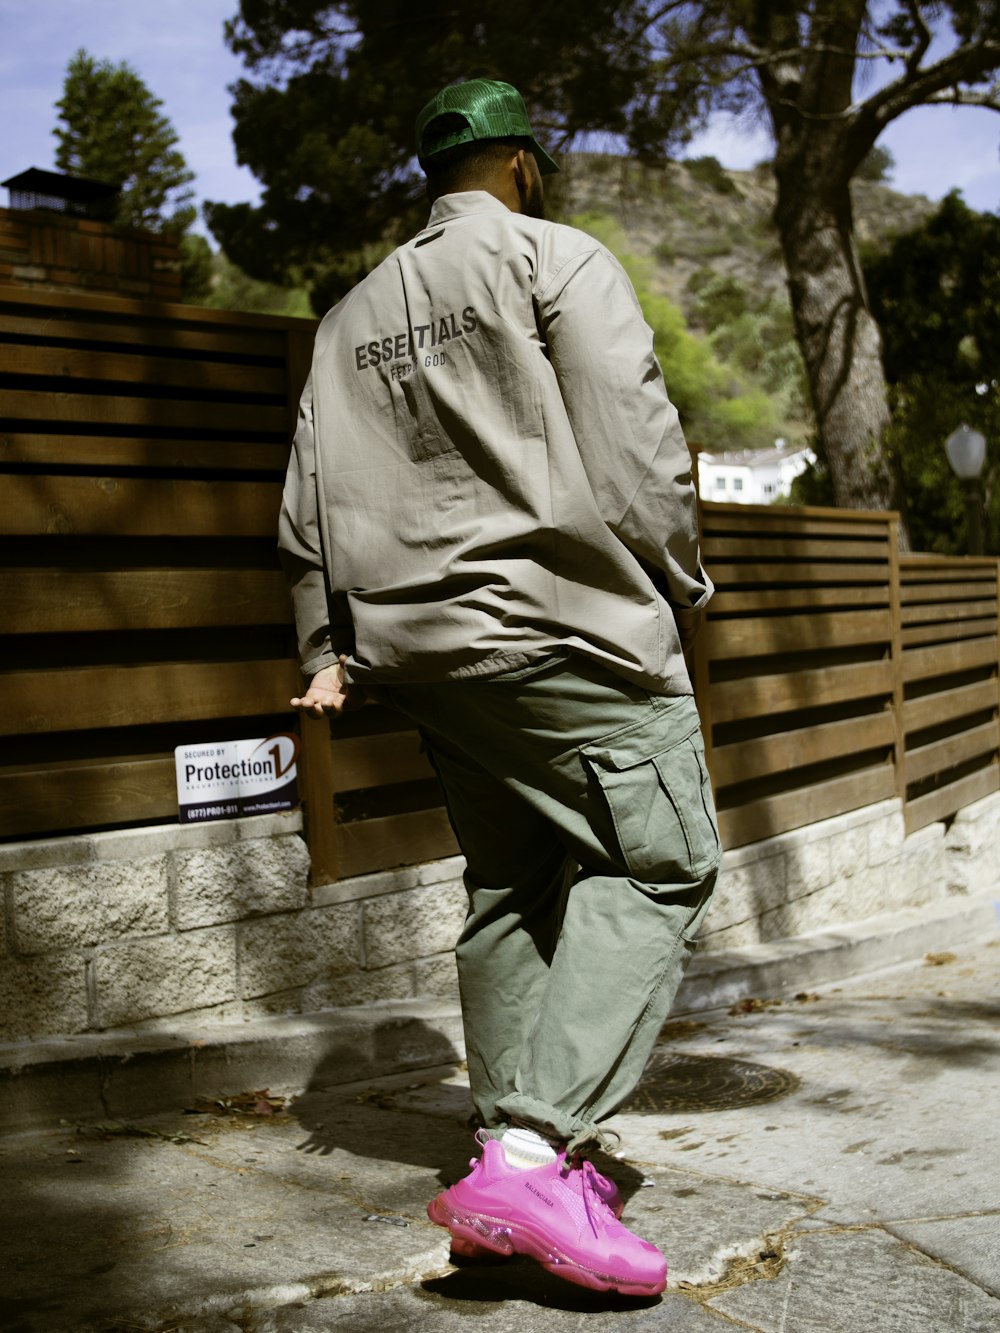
{"x":923,"y":37}
{"x":966,"y":64}
{"x":989,"y":98}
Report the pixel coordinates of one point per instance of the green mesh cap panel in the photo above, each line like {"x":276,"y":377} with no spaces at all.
{"x":477,"y":109}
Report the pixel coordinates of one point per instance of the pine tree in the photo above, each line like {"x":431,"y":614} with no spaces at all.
{"x":114,"y":131}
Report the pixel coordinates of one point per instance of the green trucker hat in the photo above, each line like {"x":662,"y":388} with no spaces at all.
{"x":477,"y":109}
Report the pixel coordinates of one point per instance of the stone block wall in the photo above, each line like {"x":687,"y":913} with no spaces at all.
{"x":145,"y":928}
{"x":142,"y":928}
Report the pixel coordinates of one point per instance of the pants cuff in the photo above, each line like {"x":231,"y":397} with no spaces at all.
{"x":550,"y":1121}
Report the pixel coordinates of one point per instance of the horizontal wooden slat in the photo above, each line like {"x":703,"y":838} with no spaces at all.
{"x":719,"y":516}
{"x":782,"y":546}
{"x":85,"y":698}
{"x":955,"y":630}
{"x":132,"y":507}
{"x":962,"y":572}
{"x":807,"y":805}
{"x":757,"y":696}
{"x":759,"y":637}
{"x":934,"y":709}
{"x":947,"y":612}
{"x":955,"y":581}
{"x":373,"y":761}
{"x":394,"y":840}
{"x":54,"y":328}
{"x":786,"y":750}
{"x":69,"y":601}
{"x":797,"y":573}
{"x":947,"y":658}
{"x":67,"y":797}
{"x":165,"y":413}
{"x":140,"y":368}
{"x":946,"y":801}
{"x":960,"y":596}
{"x":133,"y":312}
{"x":794,"y":599}
{"x":110,"y":451}
{"x":927,"y":760}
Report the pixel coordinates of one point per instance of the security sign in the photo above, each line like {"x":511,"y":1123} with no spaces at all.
{"x":229,"y":779}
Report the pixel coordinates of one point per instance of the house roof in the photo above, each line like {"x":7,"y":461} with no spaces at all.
{"x":57,"y":185}
{"x":754,"y":458}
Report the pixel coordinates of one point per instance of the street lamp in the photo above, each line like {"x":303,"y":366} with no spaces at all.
{"x":966,"y":450}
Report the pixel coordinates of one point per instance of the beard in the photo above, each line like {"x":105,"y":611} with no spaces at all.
{"x":534,"y":203}
{"x":533,"y":194}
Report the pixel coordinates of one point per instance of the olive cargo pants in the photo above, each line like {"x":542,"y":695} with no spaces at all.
{"x":583,"y":808}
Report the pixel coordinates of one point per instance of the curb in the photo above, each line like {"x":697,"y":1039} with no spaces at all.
{"x":127,"y":1074}
{"x":123,"y":1075}
{"x":715,"y":980}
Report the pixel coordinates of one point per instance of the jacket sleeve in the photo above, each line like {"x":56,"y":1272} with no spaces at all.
{"x":318,"y":617}
{"x":626,"y":427}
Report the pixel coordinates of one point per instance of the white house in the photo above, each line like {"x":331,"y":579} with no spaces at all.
{"x":751,"y":476}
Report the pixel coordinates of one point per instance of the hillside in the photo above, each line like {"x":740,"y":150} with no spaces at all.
{"x":704,"y":241}
{"x":691,"y":216}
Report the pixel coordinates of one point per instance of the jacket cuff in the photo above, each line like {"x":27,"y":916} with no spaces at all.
{"x":318,"y":663}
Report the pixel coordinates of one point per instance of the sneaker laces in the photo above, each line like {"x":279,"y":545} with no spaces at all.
{"x":588,"y":1189}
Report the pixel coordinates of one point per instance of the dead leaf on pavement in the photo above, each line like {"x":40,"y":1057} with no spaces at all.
{"x":262,"y":1103}
{"x":752,"y":1005}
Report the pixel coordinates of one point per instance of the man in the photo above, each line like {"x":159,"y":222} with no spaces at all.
{"x":489,"y":523}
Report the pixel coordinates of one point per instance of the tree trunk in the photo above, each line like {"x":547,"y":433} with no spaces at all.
{"x":840,"y":341}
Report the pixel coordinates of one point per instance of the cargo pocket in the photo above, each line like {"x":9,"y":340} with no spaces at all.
{"x":656,"y":785}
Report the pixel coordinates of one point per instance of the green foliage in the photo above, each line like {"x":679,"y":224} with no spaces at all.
{"x":812,"y":486}
{"x":113,"y":131}
{"x":229,"y":288}
{"x":710,"y":171}
{"x":753,"y":332}
{"x":196,"y":268}
{"x":719,"y":407}
{"x":877,"y":165}
{"x":326,"y":119}
{"x":936,"y":294}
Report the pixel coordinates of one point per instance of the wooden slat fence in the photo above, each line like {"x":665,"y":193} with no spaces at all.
{"x":951,"y":705}
{"x":794,"y":669}
{"x":142,"y":452}
{"x":142,"y":448}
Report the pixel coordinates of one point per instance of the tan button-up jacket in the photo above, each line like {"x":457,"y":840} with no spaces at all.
{"x":487,"y":467}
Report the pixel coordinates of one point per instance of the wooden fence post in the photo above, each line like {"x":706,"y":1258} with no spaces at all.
{"x":895,"y":604}
{"x":298,"y":363}
{"x":697,"y":655}
{"x":316,"y":792}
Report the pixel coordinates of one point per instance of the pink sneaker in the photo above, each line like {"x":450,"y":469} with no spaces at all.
{"x":606,"y":1189}
{"x":551,"y":1213}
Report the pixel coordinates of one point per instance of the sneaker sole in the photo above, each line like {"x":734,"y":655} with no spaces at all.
{"x":474,"y":1235}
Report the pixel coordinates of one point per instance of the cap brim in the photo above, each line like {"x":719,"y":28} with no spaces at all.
{"x":545,"y":164}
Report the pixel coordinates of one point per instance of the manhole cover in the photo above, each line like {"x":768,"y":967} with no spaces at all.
{"x":706,"y":1083}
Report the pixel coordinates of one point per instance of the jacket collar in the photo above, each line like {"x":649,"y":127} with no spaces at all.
{"x":461,"y":205}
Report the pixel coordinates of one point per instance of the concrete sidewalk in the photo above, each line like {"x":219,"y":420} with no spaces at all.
{"x":828,"y":1162}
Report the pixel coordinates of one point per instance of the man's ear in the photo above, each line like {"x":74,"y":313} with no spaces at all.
{"x":522,"y":175}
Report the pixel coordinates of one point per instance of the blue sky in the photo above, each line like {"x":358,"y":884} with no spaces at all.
{"x":177,"y":47}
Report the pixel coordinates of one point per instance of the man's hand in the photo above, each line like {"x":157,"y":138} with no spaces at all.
{"x":329,"y":694}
